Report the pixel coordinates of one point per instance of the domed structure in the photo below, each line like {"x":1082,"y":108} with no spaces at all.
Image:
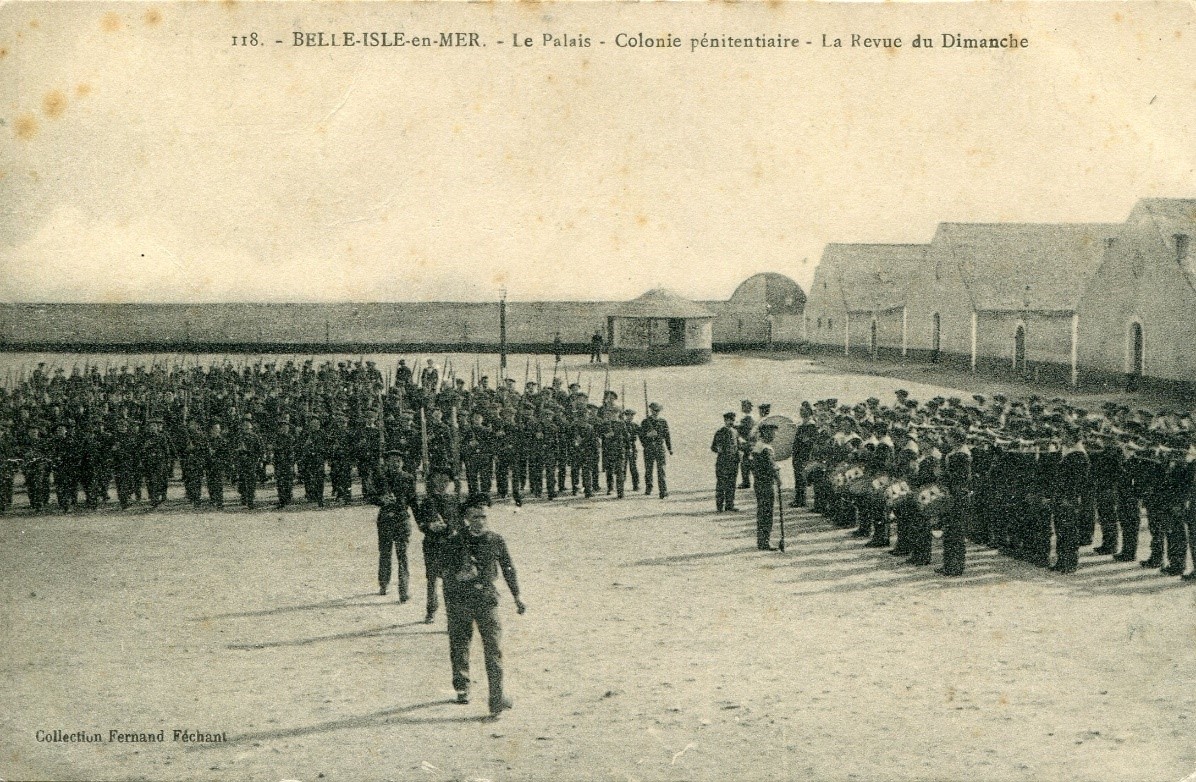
{"x":775,"y":293}
{"x":660,"y":328}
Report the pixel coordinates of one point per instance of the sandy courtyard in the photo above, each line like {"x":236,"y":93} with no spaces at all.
{"x":659,"y":644}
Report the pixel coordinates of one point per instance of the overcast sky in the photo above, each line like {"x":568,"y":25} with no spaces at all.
{"x":144,"y":159}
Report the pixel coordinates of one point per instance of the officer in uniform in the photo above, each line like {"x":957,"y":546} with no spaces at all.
{"x":470,"y":566}
{"x":725,"y":446}
{"x":654,"y":436}
{"x":764,"y":471}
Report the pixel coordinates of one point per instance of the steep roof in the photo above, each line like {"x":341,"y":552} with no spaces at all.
{"x":873,"y":276}
{"x":1025,"y":266}
{"x":1169,"y":217}
{"x":661,"y":303}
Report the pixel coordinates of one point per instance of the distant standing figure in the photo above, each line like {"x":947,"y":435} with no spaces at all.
{"x":556,"y":346}
{"x":429,"y":378}
{"x":596,"y":344}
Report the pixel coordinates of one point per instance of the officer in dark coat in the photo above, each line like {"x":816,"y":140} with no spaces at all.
{"x":725,"y":446}
{"x":471,"y":563}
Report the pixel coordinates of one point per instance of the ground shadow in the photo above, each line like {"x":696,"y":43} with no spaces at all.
{"x":396,"y":716}
{"x":680,"y":558}
{"x":388,"y":630}
{"x":353,"y":601}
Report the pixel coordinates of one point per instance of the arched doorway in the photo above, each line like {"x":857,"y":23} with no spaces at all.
{"x":872,"y":340}
{"x":1019,"y":350}
{"x":935,"y":338}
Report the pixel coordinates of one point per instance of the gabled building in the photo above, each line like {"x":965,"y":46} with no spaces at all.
{"x":1004,"y":296}
{"x":1137,"y":317}
{"x":859,"y":296}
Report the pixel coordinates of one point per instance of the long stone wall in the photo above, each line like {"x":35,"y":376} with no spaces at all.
{"x":399,"y":325}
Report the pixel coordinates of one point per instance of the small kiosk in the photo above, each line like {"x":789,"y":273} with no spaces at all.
{"x":660,"y":328}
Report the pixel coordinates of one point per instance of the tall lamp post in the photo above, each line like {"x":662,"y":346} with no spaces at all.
{"x":502,"y":330}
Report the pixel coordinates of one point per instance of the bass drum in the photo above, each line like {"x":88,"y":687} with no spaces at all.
{"x":782,"y":441}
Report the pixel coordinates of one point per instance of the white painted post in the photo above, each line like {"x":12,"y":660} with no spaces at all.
{"x":973,"y":341}
{"x":1075,"y":349}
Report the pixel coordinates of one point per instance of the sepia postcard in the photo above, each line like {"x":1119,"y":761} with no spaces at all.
{"x":331,"y":332}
